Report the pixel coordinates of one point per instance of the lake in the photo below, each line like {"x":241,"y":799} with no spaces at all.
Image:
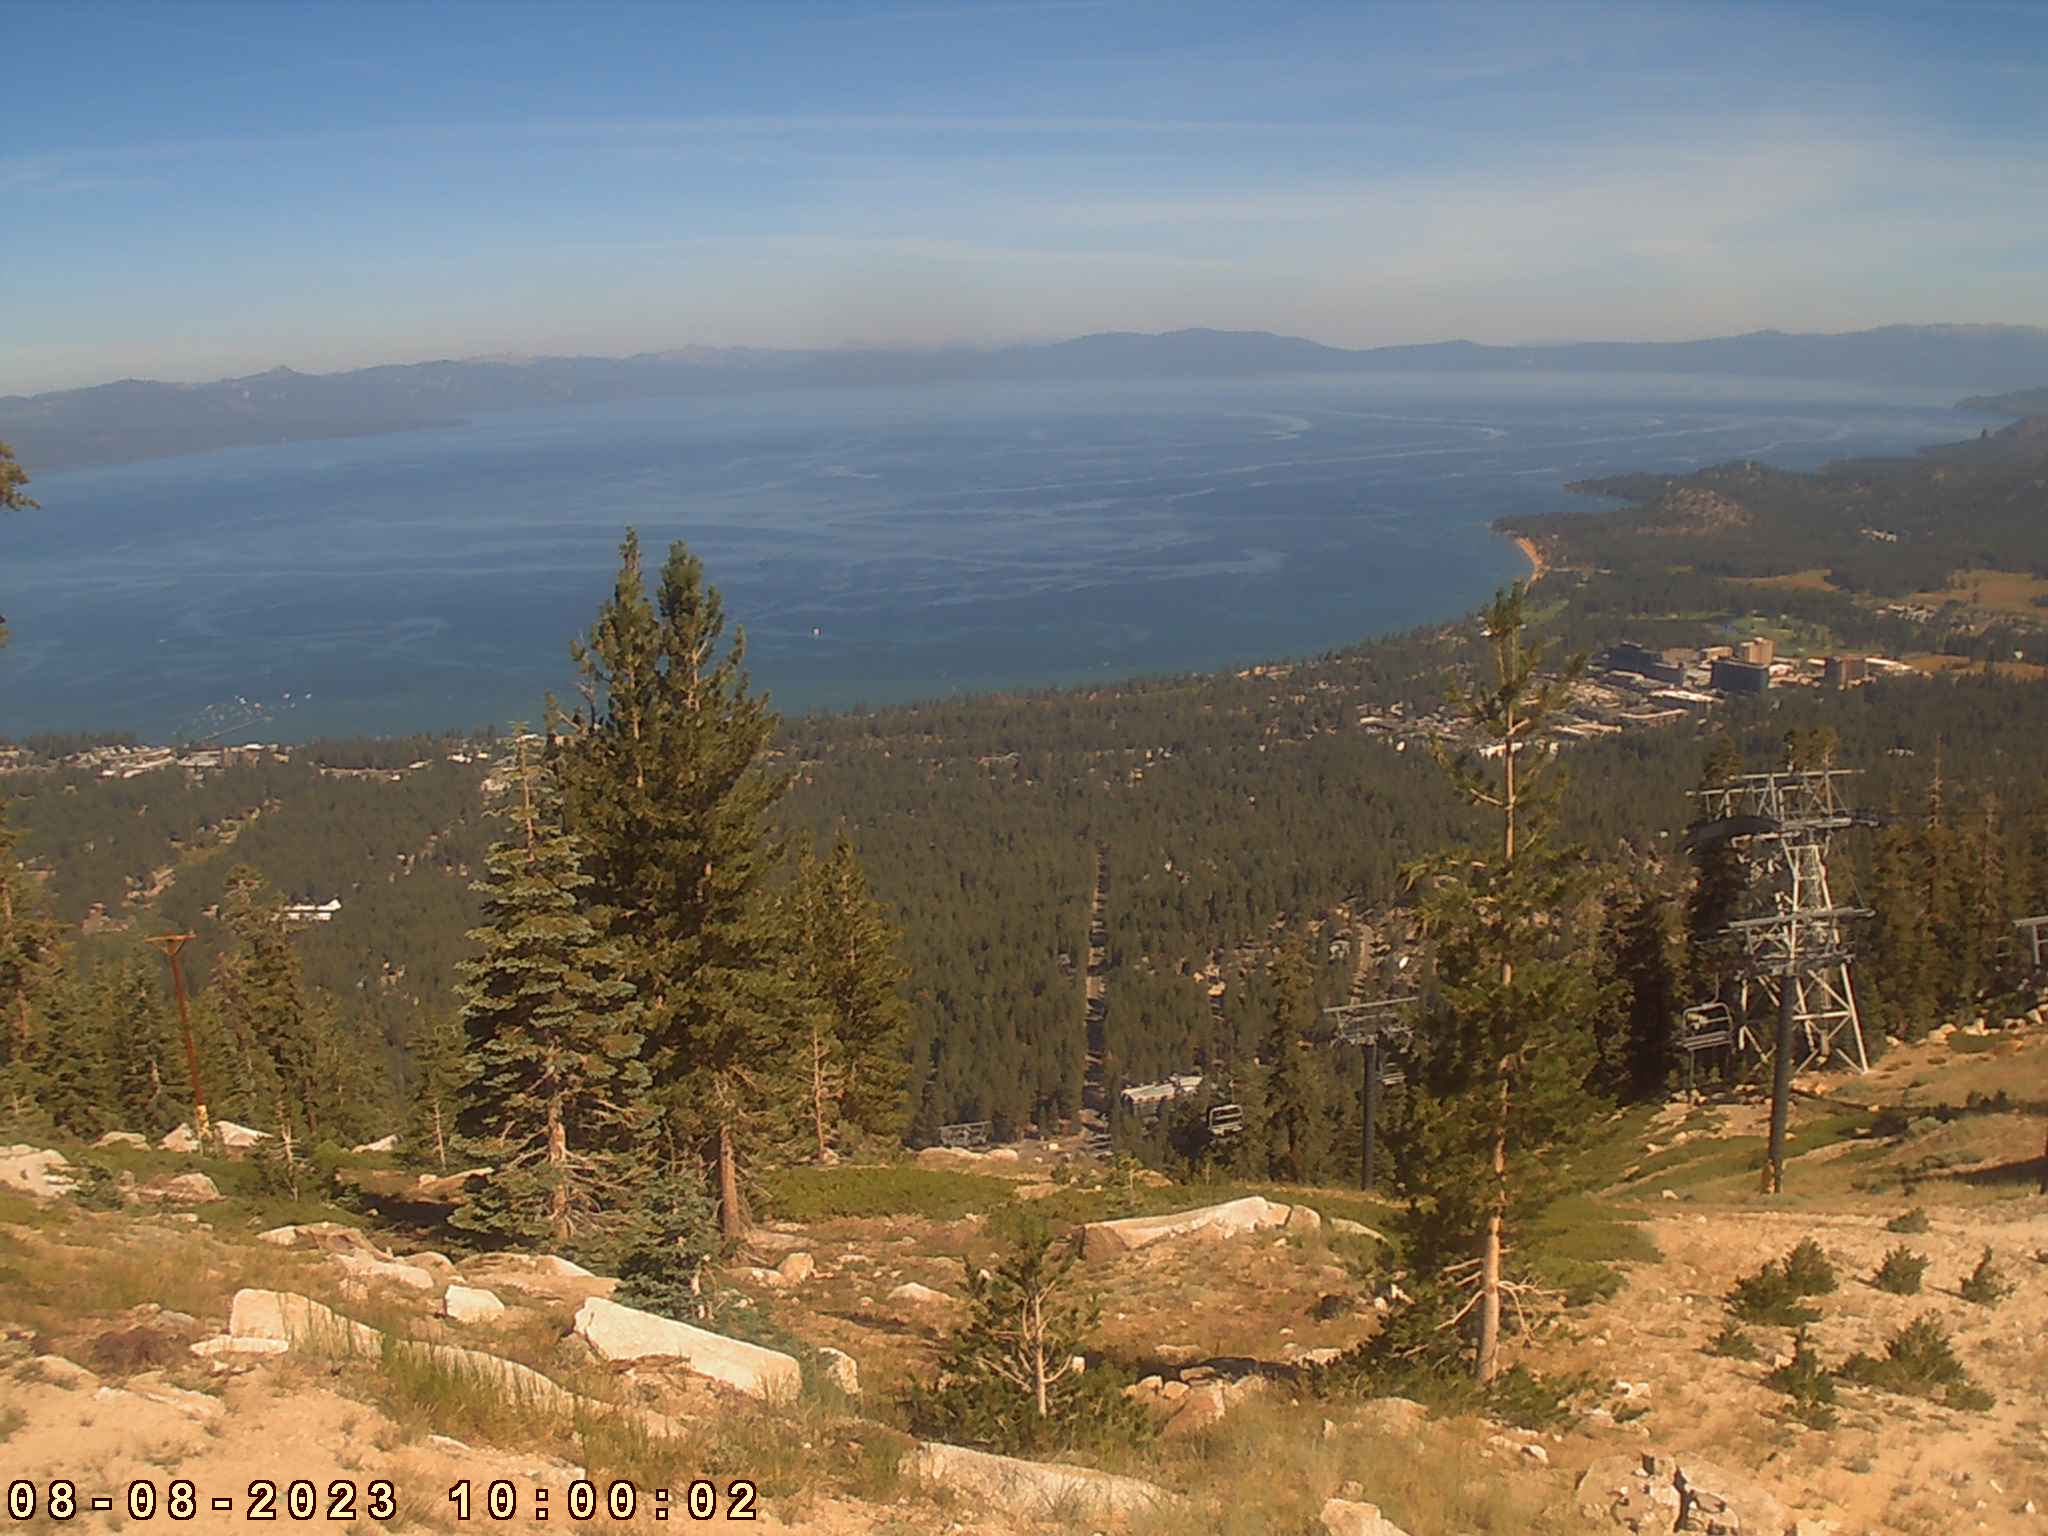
{"x":877,"y":545}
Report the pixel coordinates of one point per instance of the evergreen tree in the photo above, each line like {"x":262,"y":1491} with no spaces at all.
{"x":151,"y":1086}
{"x":1293,"y":1106}
{"x":1012,"y":1379}
{"x":441,"y":1072}
{"x":12,"y":478}
{"x":1719,"y":883}
{"x":857,"y":1016}
{"x":74,"y":1076}
{"x":665,"y":781}
{"x":30,"y":960}
{"x":553,"y":1029}
{"x":1500,"y":1074}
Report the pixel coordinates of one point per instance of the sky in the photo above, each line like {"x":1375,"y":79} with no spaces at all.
{"x":195,"y":190}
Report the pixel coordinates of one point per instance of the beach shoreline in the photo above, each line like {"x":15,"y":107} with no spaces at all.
{"x":1534,"y":554}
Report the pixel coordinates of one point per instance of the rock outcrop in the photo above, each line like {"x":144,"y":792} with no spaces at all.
{"x":1253,"y":1213}
{"x":471,"y":1304}
{"x":1650,"y":1492}
{"x":34,"y":1171}
{"x":840,"y":1370}
{"x":1345,"y":1517}
{"x":362,"y":1268}
{"x":918,"y":1295}
{"x":1032,"y":1487}
{"x":625,"y":1333}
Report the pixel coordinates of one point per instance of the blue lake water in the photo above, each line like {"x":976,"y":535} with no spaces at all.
{"x":877,"y":545}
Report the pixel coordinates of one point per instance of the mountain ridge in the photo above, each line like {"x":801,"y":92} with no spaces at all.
{"x":127,"y":420}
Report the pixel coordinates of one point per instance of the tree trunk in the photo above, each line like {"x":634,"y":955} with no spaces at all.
{"x":558,"y":1171}
{"x":732,"y":1220}
{"x":1486,"y":1365}
{"x":440,"y":1138}
{"x":818,"y":1086}
{"x":1035,"y":1333}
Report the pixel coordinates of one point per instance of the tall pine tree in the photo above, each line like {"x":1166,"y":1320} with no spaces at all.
{"x":858,"y":1020}
{"x":667,"y":786}
{"x":1499,"y":1074}
{"x":556,"y":1105}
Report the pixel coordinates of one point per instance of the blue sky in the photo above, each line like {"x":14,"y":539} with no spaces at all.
{"x":194,"y":189}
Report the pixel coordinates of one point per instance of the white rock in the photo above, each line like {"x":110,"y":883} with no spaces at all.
{"x":186,"y":1189}
{"x":227,"y":1344}
{"x":771,"y":1278}
{"x":1668,"y":1194}
{"x":34,"y":1171}
{"x":1350,"y":1228}
{"x":1253,"y":1213}
{"x":179,"y":1139}
{"x":298,"y":1320}
{"x":625,"y":1333}
{"x":1537,"y":1454}
{"x":1344,"y":1517}
{"x":360,"y":1266}
{"x":918,"y":1295}
{"x":1001,"y":1155}
{"x":471,"y":1304}
{"x":1303,"y":1219}
{"x":433,"y":1263}
{"x":193,"y":1405}
{"x":797,"y":1268}
{"x":122,"y":1139}
{"x":238,"y":1137}
{"x":279,"y":1237}
{"x":840,"y":1370}
{"x":549,"y":1264}
{"x":1030,"y":1487}
{"x":381,"y":1144}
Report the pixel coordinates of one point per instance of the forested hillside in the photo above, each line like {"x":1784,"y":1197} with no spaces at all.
{"x":1228,"y":814}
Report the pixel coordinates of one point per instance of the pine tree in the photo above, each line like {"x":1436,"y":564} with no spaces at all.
{"x":664,"y":778}
{"x":1719,"y":883}
{"x":151,"y":1084}
{"x":441,"y":1072}
{"x":30,"y":961}
{"x":857,"y":1016}
{"x":553,"y":1029}
{"x":261,"y":994}
{"x":1293,"y":1106}
{"x":74,"y":1076}
{"x":1499,"y":1075}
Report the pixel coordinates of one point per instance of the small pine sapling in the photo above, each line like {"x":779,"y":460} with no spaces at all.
{"x":1910,"y":1223}
{"x":1987,"y":1285}
{"x":1807,"y":1382}
{"x":1901,"y":1272}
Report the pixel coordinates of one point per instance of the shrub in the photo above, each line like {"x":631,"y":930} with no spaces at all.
{"x":1415,"y":1354}
{"x":1911,"y":1223}
{"x":1009,"y":1382}
{"x":1732,"y":1343}
{"x":1987,"y":1285}
{"x":1807,"y":1383}
{"x":665,"y":1253}
{"x":1807,"y":1270}
{"x":1773,"y":1294}
{"x":1919,"y":1361}
{"x":1901,"y":1272}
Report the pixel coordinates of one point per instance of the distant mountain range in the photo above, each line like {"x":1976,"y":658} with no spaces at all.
{"x":2020,"y":402}
{"x":137,"y":419}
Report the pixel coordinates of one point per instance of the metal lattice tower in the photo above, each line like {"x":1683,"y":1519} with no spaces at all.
{"x":1791,"y":934}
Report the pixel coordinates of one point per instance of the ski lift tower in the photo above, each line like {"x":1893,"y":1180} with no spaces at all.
{"x":1781,"y":823}
{"x":1366,"y":1025}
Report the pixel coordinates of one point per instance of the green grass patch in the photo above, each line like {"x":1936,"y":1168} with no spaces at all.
{"x":821,"y":1194}
{"x":1575,"y":1244}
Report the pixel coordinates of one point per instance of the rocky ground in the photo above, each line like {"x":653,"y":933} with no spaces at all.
{"x":130,"y":1363}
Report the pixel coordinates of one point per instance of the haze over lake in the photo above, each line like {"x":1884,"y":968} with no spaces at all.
{"x":877,"y":545}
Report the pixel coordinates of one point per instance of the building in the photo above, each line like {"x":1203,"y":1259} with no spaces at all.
{"x":1844,"y":671}
{"x":1741,"y":677}
{"x":1759,"y":652}
{"x":313,"y":912}
{"x":1658,"y":666}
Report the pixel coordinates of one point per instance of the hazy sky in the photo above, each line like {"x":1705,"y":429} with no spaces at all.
{"x":192,"y":190}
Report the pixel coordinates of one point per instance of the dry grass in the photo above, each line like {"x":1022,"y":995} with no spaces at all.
{"x":1814,"y":580}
